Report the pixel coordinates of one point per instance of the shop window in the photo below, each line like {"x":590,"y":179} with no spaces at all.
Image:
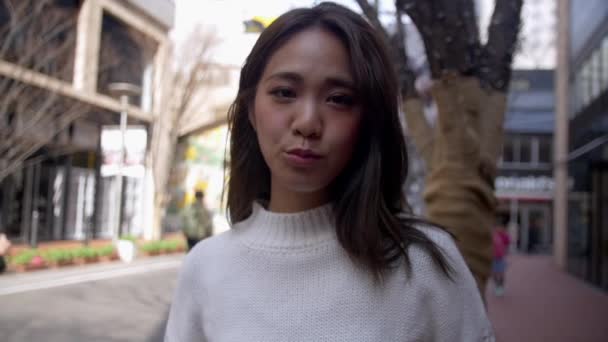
{"x":578,"y":94}
{"x":507,"y":155}
{"x":595,"y":74}
{"x":525,"y":150}
{"x":544,"y":151}
{"x":604,"y":76}
{"x":126,"y":55}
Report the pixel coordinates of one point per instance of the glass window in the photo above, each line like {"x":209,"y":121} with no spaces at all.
{"x":585,"y":84}
{"x":595,"y":73}
{"x":516,"y":150}
{"x":507,"y":155}
{"x":605,"y":63}
{"x":525,"y":150}
{"x":544,"y":150}
{"x":534,"y":145}
{"x":578,"y":98}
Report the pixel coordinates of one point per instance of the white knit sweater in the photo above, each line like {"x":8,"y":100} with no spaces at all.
{"x":285,"y":277}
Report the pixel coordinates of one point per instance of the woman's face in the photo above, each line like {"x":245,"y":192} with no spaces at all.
{"x":306,"y":116}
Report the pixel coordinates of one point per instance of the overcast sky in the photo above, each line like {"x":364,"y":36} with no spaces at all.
{"x":190,"y":12}
{"x":226,"y":18}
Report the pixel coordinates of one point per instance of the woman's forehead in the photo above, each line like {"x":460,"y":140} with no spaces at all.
{"x":310,"y":53}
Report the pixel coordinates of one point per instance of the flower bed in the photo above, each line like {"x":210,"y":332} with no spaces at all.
{"x":162,"y":247}
{"x":36,"y":259}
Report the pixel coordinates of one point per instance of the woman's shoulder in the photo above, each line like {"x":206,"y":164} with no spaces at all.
{"x":423,"y":262}
{"x":439,"y":236}
{"x":214,"y":244}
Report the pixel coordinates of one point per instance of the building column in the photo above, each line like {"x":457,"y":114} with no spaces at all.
{"x":88,"y":37}
{"x":35,"y":224}
{"x":50,"y":194}
{"x":67,"y":189}
{"x":26,"y":209}
{"x":98,"y":196}
{"x":560,"y":171}
{"x":160,"y":142}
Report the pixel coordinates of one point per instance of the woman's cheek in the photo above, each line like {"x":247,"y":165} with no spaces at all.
{"x":350,"y":131}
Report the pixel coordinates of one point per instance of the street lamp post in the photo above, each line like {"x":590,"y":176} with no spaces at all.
{"x":123,"y":91}
{"x":560,"y":169}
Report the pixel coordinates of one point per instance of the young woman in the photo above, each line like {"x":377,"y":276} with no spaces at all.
{"x":322,"y":246}
{"x":500,"y":243}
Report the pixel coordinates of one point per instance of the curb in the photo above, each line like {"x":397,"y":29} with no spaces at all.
{"x":23,"y":282}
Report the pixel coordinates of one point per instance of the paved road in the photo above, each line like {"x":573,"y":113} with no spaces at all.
{"x":125,"y":308}
{"x":543,"y":303}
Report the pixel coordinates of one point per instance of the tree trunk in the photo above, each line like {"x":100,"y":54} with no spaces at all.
{"x":459,"y":188}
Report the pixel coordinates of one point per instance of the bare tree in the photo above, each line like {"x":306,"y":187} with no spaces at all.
{"x":469,"y":87}
{"x":188,"y":75}
{"x":38,"y":36}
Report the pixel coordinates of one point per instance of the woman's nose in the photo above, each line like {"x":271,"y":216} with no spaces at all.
{"x":307,"y":121}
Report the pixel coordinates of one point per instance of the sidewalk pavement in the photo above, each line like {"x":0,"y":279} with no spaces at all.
{"x":22,"y":282}
{"x":543,"y":303}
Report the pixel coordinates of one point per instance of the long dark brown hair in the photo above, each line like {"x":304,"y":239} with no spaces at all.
{"x":373,"y":221}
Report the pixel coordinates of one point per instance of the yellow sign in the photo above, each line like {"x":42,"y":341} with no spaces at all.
{"x":257,"y":24}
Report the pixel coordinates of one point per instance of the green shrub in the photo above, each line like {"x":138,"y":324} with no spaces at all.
{"x":24,"y":257}
{"x":90,"y":253}
{"x":79,"y":253}
{"x":65,"y":255}
{"x":105,"y":251}
{"x":128,"y":237}
{"x":163,"y":246}
{"x":58,"y":255}
{"x":170,"y":245}
{"x":151,"y":247}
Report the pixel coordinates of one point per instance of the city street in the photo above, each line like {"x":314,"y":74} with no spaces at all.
{"x":122,"y":308}
{"x":119,"y":302}
{"x":543,"y":303}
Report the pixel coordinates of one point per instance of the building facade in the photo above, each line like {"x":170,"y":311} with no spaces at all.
{"x":588,"y":142}
{"x":524,"y":184}
{"x":58,"y":177}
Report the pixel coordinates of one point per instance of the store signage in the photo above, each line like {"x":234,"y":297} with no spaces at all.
{"x":136,"y":138}
{"x":525,"y":184}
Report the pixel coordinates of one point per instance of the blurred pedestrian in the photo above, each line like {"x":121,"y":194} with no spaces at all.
{"x":323,"y":246}
{"x":197,"y":223}
{"x":5,"y":245}
{"x":500,"y":242}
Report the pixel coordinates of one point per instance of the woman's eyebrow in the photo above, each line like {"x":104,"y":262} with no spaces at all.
{"x":338,"y":81}
{"x":335,"y":81}
{"x":286,"y":75}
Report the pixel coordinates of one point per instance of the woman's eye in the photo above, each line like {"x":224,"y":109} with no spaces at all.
{"x":283,"y":93}
{"x":342,"y":100}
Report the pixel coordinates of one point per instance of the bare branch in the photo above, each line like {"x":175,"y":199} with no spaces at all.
{"x":372,"y":15}
{"x":497,"y":54}
{"x":40,"y":37}
{"x":186,"y":75}
{"x":407,"y":77}
{"x":450,"y":36}
{"x":397,"y":48}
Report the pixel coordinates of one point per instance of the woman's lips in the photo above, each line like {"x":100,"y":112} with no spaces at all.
{"x":301,"y":157}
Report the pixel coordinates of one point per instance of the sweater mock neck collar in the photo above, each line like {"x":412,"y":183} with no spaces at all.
{"x":270,"y":230}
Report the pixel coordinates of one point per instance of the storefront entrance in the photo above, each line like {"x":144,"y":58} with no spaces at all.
{"x":529,"y":224}
{"x":534,"y":233}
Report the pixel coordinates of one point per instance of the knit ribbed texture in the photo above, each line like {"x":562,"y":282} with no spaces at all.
{"x":285,"y":277}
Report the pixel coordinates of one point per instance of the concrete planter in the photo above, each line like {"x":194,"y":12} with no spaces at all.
{"x":127,"y":251}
